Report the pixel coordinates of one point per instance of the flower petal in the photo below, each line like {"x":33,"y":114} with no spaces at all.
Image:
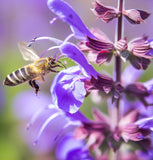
{"x":99,"y":45}
{"x":141,"y":47}
{"x":67,"y":14}
{"x":103,"y":56}
{"x":71,"y":51}
{"x":139,"y":62}
{"x":135,"y":16}
{"x":67,"y":90}
{"x":36,"y":108}
{"x":69,"y":148}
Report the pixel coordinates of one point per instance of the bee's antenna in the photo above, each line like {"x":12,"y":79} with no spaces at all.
{"x":32,"y":41}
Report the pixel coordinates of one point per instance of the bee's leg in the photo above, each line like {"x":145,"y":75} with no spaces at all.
{"x":61,"y":64}
{"x":52,"y":70}
{"x":55,"y":66}
{"x":33,"y":84}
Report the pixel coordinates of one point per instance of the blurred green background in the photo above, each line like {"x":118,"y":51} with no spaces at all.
{"x":22,"y":20}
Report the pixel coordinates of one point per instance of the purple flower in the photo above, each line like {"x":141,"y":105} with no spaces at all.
{"x":99,"y":50}
{"x":70,"y":148}
{"x":146,"y":123}
{"x":44,"y":128}
{"x":67,"y":90}
{"x":140,"y":47}
{"x":141,"y":52}
{"x":134,"y":89}
{"x":102,"y":83}
{"x":150,"y":41}
{"x":67,"y":14}
{"x":129,"y":77}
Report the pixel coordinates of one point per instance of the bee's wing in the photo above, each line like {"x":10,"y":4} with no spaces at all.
{"x":28,"y":53}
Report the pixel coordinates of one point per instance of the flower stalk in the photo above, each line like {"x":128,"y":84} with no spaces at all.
{"x":118,"y":65}
{"x":118,"y":61}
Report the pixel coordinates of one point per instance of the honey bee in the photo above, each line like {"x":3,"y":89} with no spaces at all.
{"x":34,"y":71}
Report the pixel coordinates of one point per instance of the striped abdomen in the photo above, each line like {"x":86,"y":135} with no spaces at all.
{"x":19,"y":76}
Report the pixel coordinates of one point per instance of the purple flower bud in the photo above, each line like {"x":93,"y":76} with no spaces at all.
{"x":139,"y":62}
{"x":137,"y":89}
{"x":64,"y":11}
{"x":135,"y":16}
{"x":103,"y":83}
{"x":107,"y":13}
{"x":141,"y":52}
{"x":103,"y":56}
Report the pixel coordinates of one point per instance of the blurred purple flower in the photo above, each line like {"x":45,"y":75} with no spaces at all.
{"x":64,"y":11}
{"x":44,"y":127}
{"x":134,"y":89}
{"x":130,"y":77}
{"x":71,"y":149}
{"x":145,"y":155}
{"x":146,"y":123}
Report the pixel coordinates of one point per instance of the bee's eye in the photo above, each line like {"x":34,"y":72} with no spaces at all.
{"x":52,"y":61}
